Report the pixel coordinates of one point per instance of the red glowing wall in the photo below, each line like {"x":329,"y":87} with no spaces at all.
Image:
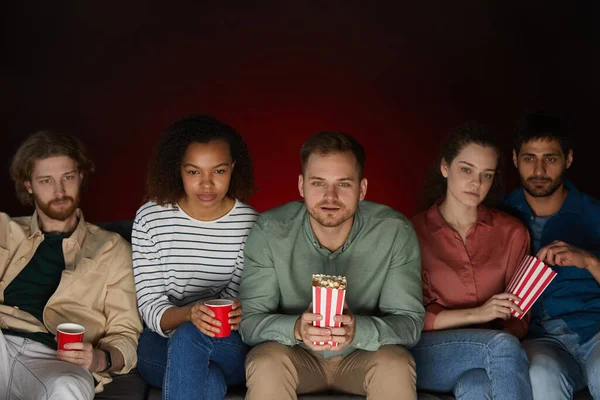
{"x":396,"y":77}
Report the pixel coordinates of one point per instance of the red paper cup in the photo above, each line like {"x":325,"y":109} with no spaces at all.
{"x":69,"y":333}
{"x":221,"y":308}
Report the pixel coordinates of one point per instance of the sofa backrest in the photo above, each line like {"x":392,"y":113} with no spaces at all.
{"x":122,"y":227}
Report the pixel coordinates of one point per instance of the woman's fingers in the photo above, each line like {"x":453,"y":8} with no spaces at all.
{"x":509,"y":305}
{"x":506,"y":296}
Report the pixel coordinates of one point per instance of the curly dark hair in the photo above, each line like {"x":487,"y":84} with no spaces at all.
{"x":42,"y":145}
{"x":164,"y":184}
{"x":470,"y":132}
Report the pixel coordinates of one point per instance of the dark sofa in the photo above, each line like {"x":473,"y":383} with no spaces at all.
{"x":133,"y":387}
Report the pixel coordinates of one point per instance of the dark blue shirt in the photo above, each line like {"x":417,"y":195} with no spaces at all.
{"x":574,"y":295}
{"x":536,"y":228}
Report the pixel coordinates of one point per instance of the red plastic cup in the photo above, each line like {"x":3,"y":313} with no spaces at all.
{"x":69,"y":333}
{"x":221,"y":308}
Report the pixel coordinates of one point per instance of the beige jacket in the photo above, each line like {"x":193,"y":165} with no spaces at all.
{"x":96,"y":289}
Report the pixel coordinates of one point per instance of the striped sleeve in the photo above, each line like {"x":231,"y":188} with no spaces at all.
{"x":149,"y":283}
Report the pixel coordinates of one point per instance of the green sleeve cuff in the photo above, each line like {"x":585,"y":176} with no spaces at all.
{"x":269,"y":328}
{"x":287,"y":323}
{"x":365,"y":334}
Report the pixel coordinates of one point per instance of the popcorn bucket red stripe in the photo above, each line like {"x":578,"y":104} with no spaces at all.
{"x":521,"y":274}
{"x":339,"y":308}
{"x":529,"y":284}
{"x":545,"y":277}
{"x":518,"y":275}
{"x":532,"y":278}
{"x":526,"y":302}
{"x":519,"y":287}
{"x":528,"y":287}
{"x":316,"y":304}
{"x":530,"y":272}
{"x":318,"y":300}
{"x":534,"y":293}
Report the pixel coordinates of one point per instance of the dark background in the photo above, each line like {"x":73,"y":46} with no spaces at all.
{"x":397,"y":77}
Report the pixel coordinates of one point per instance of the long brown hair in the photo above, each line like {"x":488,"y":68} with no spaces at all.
{"x":471,"y":132}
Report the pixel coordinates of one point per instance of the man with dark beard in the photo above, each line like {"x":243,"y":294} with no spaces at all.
{"x":333,"y":232}
{"x":564,"y":224}
{"x":56,"y":268}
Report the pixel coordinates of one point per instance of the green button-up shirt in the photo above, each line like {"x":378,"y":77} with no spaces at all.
{"x":380,"y":259}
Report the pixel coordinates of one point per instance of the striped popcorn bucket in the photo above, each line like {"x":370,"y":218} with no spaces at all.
{"x":528,"y":283}
{"x":328,"y":302}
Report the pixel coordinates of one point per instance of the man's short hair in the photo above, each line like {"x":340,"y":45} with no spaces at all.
{"x":328,"y":142}
{"x":42,"y":145}
{"x":540,"y":125}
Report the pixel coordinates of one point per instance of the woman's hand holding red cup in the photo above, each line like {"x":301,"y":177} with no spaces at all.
{"x":216,"y":318}
{"x":235,"y":315}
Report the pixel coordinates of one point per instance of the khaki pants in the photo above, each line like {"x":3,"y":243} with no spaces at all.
{"x":275,"y":371}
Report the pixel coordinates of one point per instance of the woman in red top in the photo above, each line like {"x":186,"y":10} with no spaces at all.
{"x":470,"y":344}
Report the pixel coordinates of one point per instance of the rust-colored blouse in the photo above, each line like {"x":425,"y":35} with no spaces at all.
{"x":459,"y":275}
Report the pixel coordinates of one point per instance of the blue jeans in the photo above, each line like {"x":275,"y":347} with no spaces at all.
{"x":473,"y":364}
{"x":191,"y":365}
{"x":561,"y":366}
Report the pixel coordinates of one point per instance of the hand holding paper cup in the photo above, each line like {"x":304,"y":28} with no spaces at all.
{"x":69,"y":333}
{"x":329,"y":293}
{"x":221,"y":308}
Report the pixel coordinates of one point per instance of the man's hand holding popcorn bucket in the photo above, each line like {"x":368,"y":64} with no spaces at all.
{"x":327,"y":324}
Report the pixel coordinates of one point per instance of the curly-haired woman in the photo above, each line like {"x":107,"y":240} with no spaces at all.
{"x":188,"y":242}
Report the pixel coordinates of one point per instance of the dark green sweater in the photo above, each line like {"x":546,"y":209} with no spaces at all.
{"x":36,"y":283}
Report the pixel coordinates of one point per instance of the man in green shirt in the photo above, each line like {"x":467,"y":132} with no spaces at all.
{"x":332,"y":232}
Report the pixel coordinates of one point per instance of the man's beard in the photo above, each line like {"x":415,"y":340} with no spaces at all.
{"x":541,"y":191}
{"x":61,"y":214}
{"x":330,"y":222}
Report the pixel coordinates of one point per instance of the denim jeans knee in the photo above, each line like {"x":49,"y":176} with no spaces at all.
{"x":505,"y":343}
{"x":185,"y":331}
